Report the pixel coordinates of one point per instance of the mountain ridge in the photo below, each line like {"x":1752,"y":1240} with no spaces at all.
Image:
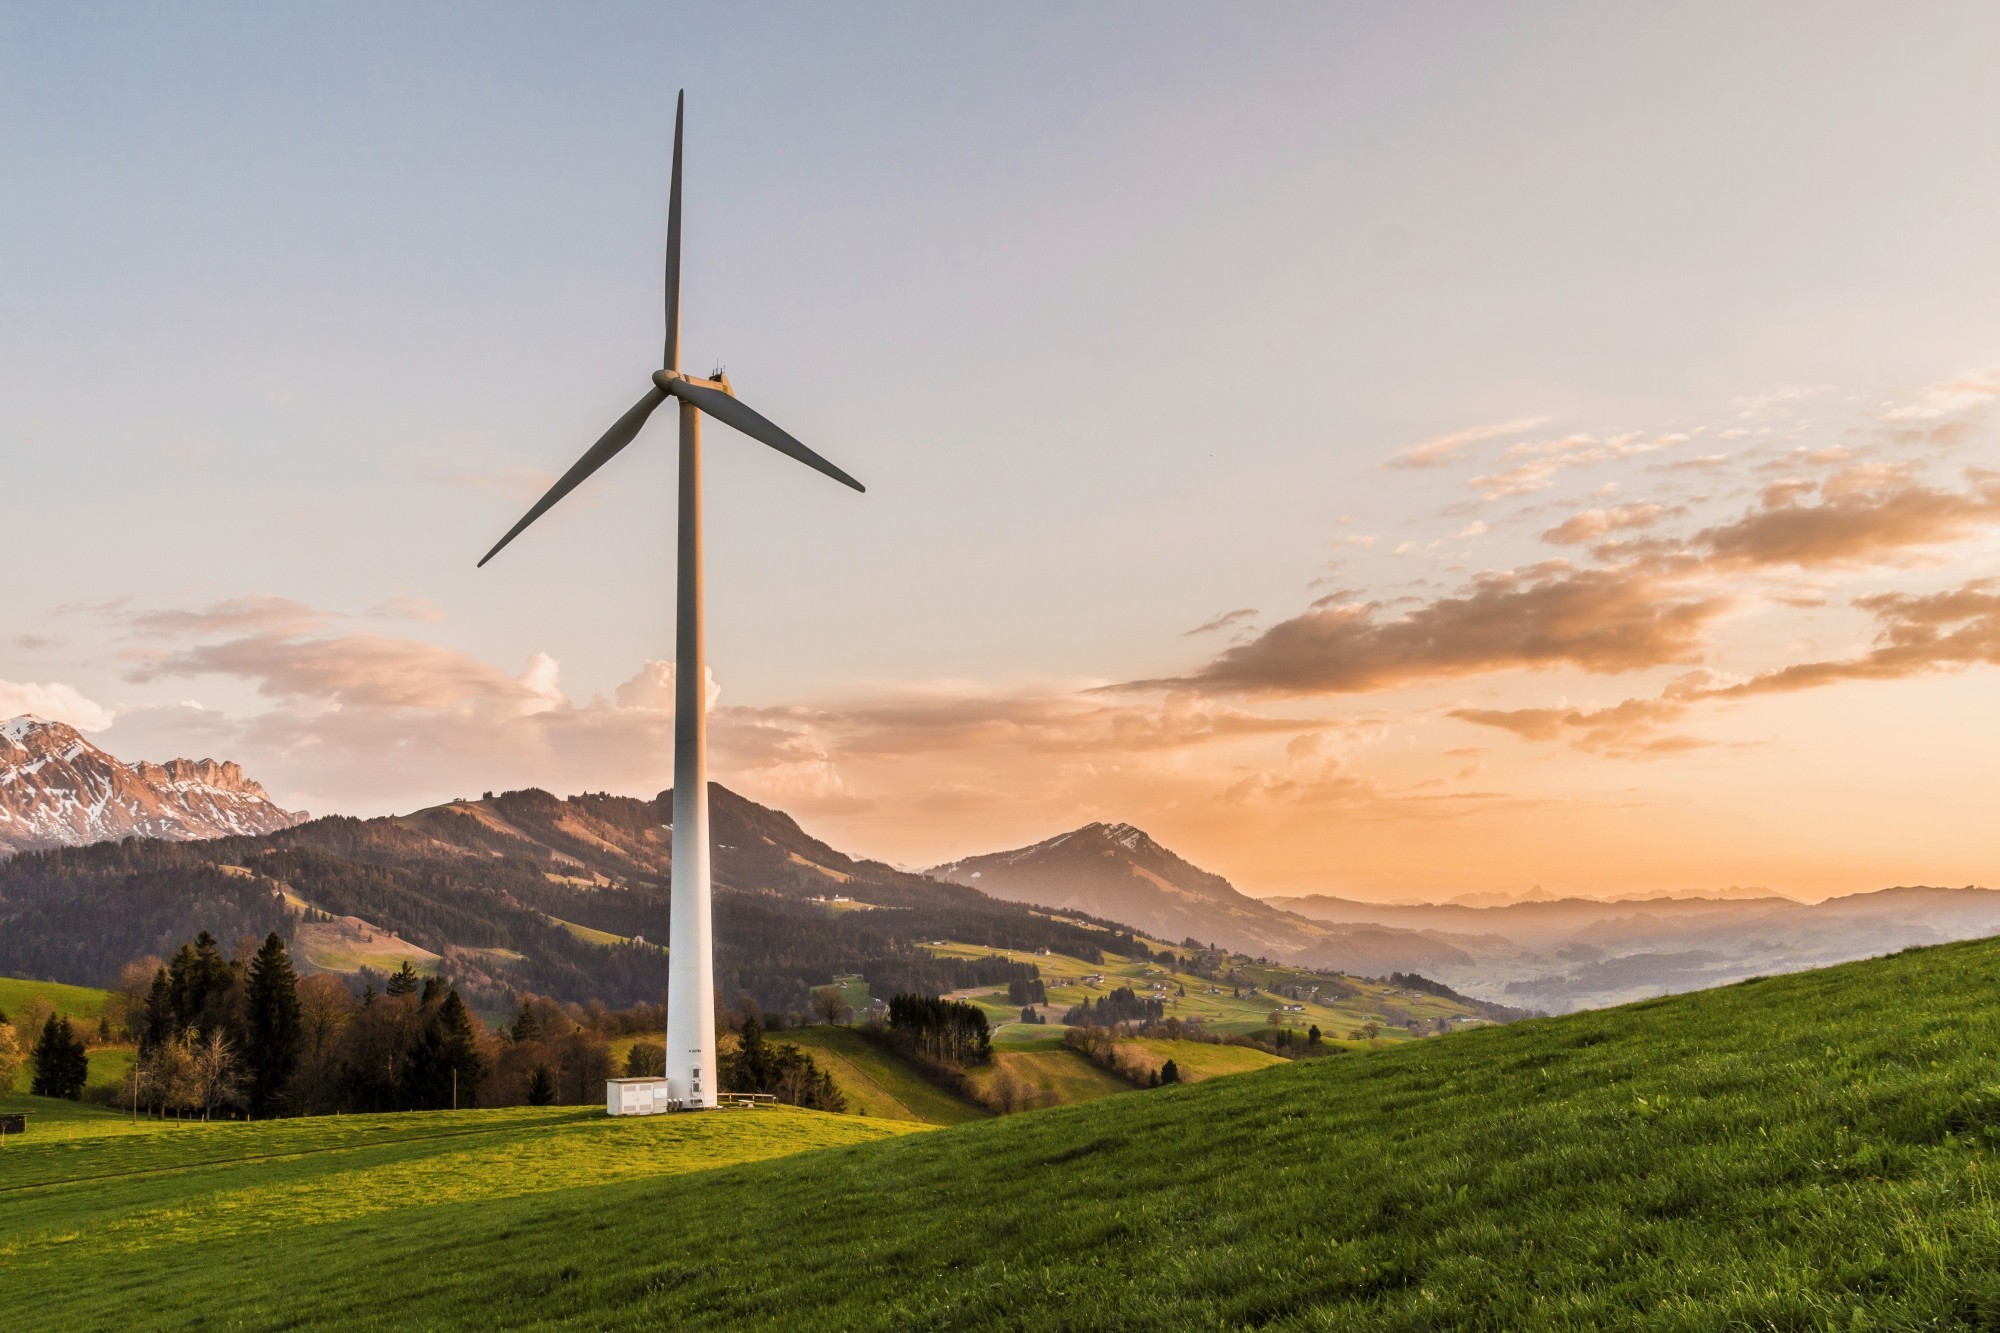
{"x":59,"y":790}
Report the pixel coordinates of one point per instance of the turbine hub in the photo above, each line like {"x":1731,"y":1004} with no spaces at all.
{"x":665,"y":379}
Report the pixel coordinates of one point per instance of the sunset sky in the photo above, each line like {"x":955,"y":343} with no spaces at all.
{"x":1387,"y":451}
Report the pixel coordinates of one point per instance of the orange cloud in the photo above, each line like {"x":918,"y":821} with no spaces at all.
{"x":1863,"y":516}
{"x":1591,"y":524}
{"x":1549,"y":615}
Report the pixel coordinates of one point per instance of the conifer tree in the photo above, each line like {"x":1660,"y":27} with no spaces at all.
{"x":404,"y":980}
{"x":526,"y":1026}
{"x":199,"y":981}
{"x":271,"y":1044}
{"x":156,"y":1025}
{"x":541,"y":1087}
{"x":62,"y":1066}
{"x":1170,"y":1073}
{"x":444,"y":1066}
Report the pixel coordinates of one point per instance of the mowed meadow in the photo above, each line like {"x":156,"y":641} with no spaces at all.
{"x":1808,"y":1151}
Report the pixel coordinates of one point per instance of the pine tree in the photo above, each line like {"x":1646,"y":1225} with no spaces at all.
{"x":1170,"y":1073}
{"x":404,"y":980}
{"x":271,"y":1043}
{"x":199,"y":981}
{"x":157,"y":1027}
{"x":526,"y":1026}
{"x":62,"y":1066}
{"x":461,"y":1048}
{"x":444,"y":1066}
{"x":541,"y":1087}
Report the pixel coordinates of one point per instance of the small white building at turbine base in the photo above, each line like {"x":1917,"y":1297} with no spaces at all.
{"x":639,"y":1096}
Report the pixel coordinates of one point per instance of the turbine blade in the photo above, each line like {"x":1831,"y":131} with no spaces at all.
{"x":595,"y":457}
{"x":671,"y":358}
{"x":726,"y":409}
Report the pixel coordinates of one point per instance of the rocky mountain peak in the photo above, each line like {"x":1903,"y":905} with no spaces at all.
{"x":57,"y":789}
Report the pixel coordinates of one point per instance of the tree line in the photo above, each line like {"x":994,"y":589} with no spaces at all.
{"x":1123,"y":1005}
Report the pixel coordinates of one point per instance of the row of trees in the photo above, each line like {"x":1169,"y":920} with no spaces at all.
{"x":947,"y":1032}
{"x":1123,"y":1005}
{"x":1027,"y":990}
{"x":217,"y":1034}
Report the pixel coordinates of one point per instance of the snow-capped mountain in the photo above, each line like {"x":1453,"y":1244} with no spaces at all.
{"x":57,"y":789}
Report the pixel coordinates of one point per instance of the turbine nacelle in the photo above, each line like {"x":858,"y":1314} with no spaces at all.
{"x":666,"y":379}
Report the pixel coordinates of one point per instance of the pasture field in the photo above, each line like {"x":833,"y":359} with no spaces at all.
{"x":1806,"y":1151}
{"x":1060,"y":1075}
{"x":79,"y":1002}
{"x":1069,"y":982}
{"x":111,"y":1224}
{"x":877,"y":1082}
{"x":109,"y":1065}
{"x":1197,"y":1060}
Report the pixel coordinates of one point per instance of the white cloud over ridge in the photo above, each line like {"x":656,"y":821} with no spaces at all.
{"x":53,"y":701}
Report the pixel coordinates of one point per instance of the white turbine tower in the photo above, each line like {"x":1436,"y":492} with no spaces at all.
{"x":691,"y":952}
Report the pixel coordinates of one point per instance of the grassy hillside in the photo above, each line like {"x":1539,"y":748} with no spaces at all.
{"x":877,"y":1082}
{"x":101,"y":1211}
{"x":109,"y":1065}
{"x":1057,"y":1077}
{"x":1198,"y":1060}
{"x":1808,"y":1151}
{"x":79,"y":1002}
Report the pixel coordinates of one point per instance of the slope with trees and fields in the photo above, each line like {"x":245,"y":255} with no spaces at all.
{"x":1801,"y":1151}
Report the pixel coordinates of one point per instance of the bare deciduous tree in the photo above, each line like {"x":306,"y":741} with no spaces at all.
{"x":830,"y":1004}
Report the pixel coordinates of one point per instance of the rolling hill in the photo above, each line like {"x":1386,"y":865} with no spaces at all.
{"x":517,"y":891}
{"x":1806,"y":1151}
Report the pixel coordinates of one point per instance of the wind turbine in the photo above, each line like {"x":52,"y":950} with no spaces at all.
{"x":691,"y":1065}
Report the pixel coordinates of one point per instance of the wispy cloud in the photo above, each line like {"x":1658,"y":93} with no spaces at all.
{"x":1227,"y":620}
{"x":1452,"y":446}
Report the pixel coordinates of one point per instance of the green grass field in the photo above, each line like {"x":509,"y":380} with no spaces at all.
{"x":79,"y":1002}
{"x":877,"y":1082}
{"x":1198,"y":1060}
{"x":109,"y":1065}
{"x":1062,"y":1076}
{"x":1812,"y":1151}
{"x":111,"y":1224}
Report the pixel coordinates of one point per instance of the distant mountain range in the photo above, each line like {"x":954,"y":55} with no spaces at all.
{"x":523,"y":890}
{"x":1541,"y":952}
{"x":58,"y":790}
{"x":1574,"y":953}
